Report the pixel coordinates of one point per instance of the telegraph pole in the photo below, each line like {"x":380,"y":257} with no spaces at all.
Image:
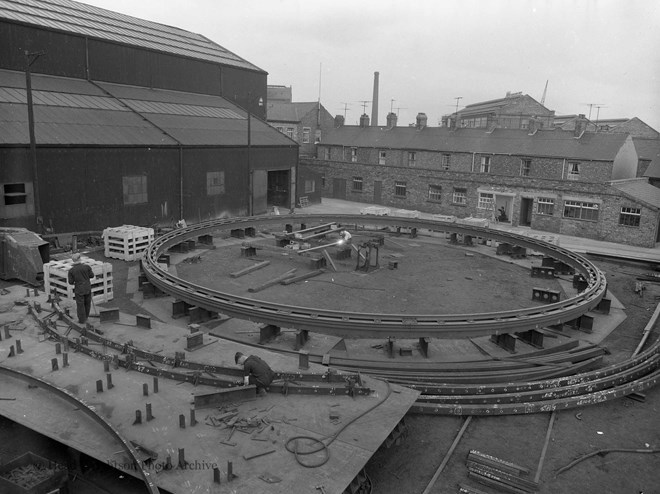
{"x":30,"y":58}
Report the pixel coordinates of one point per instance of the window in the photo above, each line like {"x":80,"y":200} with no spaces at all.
{"x":573,"y":171}
{"x":15,"y":194}
{"x":310,"y":186}
{"x":485,"y":164}
{"x":486,"y":201}
{"x":381,"y":157}
{"x":445,"y":161}
{"x":525,"y":167}
{"x":524,"y":123}
{"x":135,"y":189}
{"x":306,"y":133}
{"x":281,"y":129}
{"x":630,"y":216}
{"x":399,"y":189}
{"x":289,"y":132}
{"x":581,"y":210}
{"x":215,"y":183}
{"x":323,"y":183}
{"x":545,"y":205}
{"x":459,"y":196}
{"x":353,"y":155}
{"x":412,"y":158}
{"x":357,"y":183}
{"x":435,"y":193}
{"x":326,"y":153}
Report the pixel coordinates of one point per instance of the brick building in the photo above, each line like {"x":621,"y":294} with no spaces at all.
{"x":304,"y":122}
{"x":514,"y":111}
{"x":570,"y":182}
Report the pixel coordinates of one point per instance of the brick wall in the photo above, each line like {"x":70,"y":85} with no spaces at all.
{"x":509,"y":188}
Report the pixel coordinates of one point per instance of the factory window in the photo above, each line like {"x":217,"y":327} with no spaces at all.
{"x":15,"y":194}
{"x":630,"y":216}
{"x":306,"y":132}
{"x":573,"y":171}
{"x":485,"y":164}
{"x":354,"y":155}
{"x":459,"y":196}
{"x":399,"y":189}
{"x":310,"y":186}
{"x":445,"y":161}
{"x":525,"y":167}
{"x":412,"y":158}
{"x":581,"y":210}
{"x":215,"y":183}
{"x":435,"y":193}
{"x":381,"y":157}
{"x":486,"y":201}
{"x":135,"y":189}
{"x":289,"y":132}
{"x":357,"y":184}
{"x":545,"y":205}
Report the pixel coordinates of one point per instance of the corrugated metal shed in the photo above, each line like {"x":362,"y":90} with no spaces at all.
{"x":547,"y":143}
{"x":115,"y":115}
{"x":94,"y":22}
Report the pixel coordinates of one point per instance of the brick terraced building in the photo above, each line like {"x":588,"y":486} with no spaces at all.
{"x":578,"y":183}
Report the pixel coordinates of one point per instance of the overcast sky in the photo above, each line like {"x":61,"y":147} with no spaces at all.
{"x":428,"y":52}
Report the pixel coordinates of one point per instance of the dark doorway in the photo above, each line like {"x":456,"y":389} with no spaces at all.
{"x":278,"y":189}
{"x":339,"y":188}
{"x":526,"y":204}
{"x":378,"y":191}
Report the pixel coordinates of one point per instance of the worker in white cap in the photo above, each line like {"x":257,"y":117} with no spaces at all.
{"x":345,"y":237}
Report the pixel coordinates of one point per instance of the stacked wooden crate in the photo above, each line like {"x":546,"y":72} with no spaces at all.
{"x":56,"y":279}
{"x":127,"y":242}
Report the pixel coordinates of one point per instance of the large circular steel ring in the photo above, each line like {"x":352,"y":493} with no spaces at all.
{"x":372,"y":325}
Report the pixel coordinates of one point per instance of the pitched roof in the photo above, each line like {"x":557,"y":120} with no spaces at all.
{"x":94,"y":22}
{"x":547,"y":143}
{"x":492,"y":105}
{"x":640,"y":190}
{"x":77,"y":112}
{"x":279,"y":111}
{"x":649,"y":149}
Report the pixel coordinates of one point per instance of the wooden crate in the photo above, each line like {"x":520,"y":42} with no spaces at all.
{"x":127,"y":242}
{"x":57,"y":479}
{"x":56,"y":278}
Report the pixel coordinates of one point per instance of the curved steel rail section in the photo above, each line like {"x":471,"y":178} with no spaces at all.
{"x":371,"y":325}
{"x":81,"y":405}
{"x":634,"y":374}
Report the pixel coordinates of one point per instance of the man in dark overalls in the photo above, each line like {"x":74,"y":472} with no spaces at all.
{"x":256,"y":371}
{"x":79,"y":276}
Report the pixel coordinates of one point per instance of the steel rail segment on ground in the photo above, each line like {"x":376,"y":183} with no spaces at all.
{"x":372,"y":325}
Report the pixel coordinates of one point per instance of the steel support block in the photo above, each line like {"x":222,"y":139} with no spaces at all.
{"x":230,"y":395}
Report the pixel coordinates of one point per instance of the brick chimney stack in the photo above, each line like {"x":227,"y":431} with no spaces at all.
{"x":580,"y":125}
{"x":339,"y":121}
{"x":364,"y":121}
{"x":421,"y":121}
{"x":392,"y":120}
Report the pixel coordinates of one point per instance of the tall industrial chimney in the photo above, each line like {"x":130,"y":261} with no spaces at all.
{"x":374,"y":103}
